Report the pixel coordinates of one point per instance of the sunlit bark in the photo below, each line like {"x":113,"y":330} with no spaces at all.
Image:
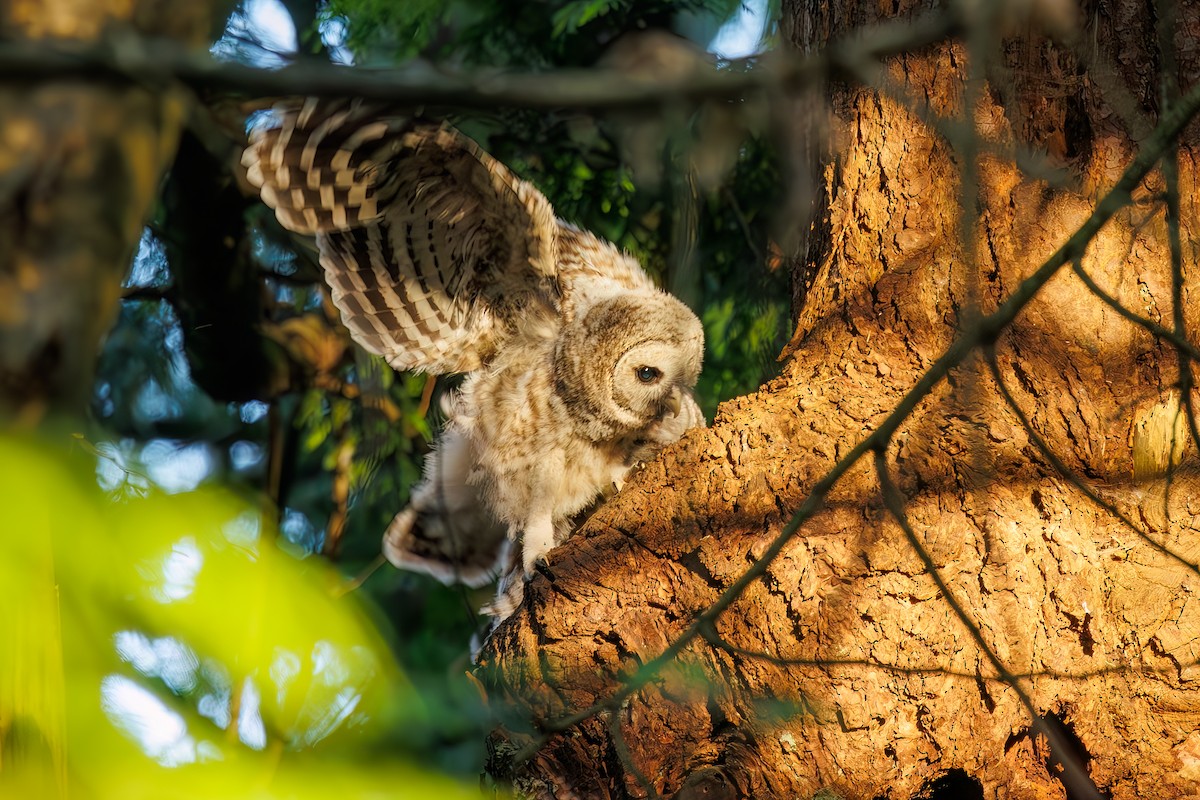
{"x":1090,"y":604}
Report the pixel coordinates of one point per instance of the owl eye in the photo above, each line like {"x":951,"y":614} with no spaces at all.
{"x":648,"y":374}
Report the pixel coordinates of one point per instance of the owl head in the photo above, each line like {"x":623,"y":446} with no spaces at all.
{"x":628,"y":362}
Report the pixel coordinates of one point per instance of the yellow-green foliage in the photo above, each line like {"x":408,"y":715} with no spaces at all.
{"x":167,"y":647}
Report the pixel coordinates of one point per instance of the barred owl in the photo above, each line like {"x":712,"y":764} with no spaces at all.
{"x":440,"y":259}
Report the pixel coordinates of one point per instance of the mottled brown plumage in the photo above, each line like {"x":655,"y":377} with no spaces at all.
{"x":440,"y":259}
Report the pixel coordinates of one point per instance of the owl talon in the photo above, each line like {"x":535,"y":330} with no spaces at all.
{"x":532,"y":565}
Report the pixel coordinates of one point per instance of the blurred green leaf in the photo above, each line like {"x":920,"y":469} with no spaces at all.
{"x":167,"y":647}
{"x":575,"y":15}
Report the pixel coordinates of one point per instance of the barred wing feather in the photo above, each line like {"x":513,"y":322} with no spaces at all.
{"x":432,"y":249}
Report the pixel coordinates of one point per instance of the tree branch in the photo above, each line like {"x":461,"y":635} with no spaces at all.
{"x":159,"y":62}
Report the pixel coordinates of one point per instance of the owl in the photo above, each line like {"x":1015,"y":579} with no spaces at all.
{"x":439,"y":259}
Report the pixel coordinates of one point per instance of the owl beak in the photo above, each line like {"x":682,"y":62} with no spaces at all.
{"x":673,"y":402}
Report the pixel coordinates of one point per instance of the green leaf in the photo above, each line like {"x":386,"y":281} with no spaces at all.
{"x":167,"y":647}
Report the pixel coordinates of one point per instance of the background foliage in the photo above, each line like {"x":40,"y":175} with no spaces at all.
{"x":226,"y":368}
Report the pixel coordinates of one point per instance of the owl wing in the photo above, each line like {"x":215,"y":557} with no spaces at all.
{"x":433,"y":250}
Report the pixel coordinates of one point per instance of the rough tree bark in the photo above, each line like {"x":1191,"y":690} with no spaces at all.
{"x":80,"y":164}
{"x":897,"y":698}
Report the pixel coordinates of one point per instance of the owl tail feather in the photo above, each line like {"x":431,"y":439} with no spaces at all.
{"x":448,"y":549}
{"x":510,"y":590}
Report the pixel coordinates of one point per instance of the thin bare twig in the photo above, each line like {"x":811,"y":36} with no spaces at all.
{"x":426,"y":396}
{"x":1143,"y":322}
{"x":1170,"y":171}
{"x":352,"y":584}
{"x":622,"y":747}
{"x":1068,"y":475}
{"x":744,"y":224}
{"x":717,"y":640}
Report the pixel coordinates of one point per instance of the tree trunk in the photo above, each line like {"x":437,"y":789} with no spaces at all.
{"x":845,"y":667}
{"x":80,"y":164}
